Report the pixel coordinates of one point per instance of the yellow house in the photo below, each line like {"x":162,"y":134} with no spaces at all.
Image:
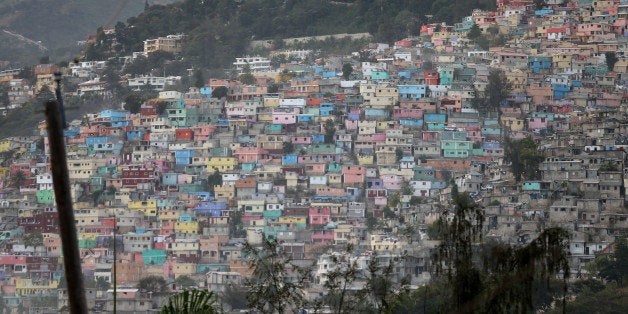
{"x":25,"y":286}
{"x":365,"y":160}
{"x":224,"y":192}
{"x":295,"y":220}
{"x":4,"y":171}
{"x":147,"y":207}
{"x":518,"y":79}
{"x":386,"y":155}
{"x":562,"y":61}
{"x":180,"y":269}
{"x":271,"y":102}
{"x":85,"y":217}
{"x":168,"y":215}
{"x":5,"y":145}
{"x":343,"y":234}
{"x":188,"y":227}
{"x":83,"y":169}
{"x":222,"y":164}
{"x":512,"y":122}
{"x":382,"y":126}
{"x":367,"y":127}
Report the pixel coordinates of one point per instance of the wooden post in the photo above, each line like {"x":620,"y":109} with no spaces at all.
{"x":67,"y":227}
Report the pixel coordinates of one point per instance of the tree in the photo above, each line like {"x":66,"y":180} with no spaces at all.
{"x":524,"y":157}
{"x":539,"y":4}
{"x":234,"y":296}
{"x":271,"y":288}
{"x":288,"y":147}
{"x":498,"y":88}
{"x":34,"y":239}
{"x":611,"y":59}
{"x":102,"y":284}
{"x":192,"y":302}
{"x":347,"y":70}
{"x":199,"y":78}
{"x":4,"y":95}
{"x":398,"y":154}
{"x":475,"y":32}
{"x":133,"y":102}
{"x":615,"y":267}
{"x":18,"y":179}
{"x":185,"y":281}
{"x":330,"y":131}
{"x":153,"y":284}
{"x":246,"y":77}
{"x":220,"y":92}
{"x":455,"y":253}
{"x":495,"y":277}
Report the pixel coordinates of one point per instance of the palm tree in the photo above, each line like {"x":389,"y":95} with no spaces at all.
{"x":192,"y":302}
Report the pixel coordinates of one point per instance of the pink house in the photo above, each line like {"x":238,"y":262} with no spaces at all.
{"x":381,"y":201}
{"x":351,"y":124}
{"x":285,"y":117}
{"x":353,"y":174}
{"x":302,"y":140}
{"x":407,"y":113}
{"x":250,"y":154}
{"x":203,"y":132}
{"x":392,"y":181}
{"x":537,"y":123}
{"x":327,"y":191}
{"x":430,"y":135}
{"x":319,"y":215}
{"x":323,"y":236}
{"x":474,"y":135}
{"x":315,"y":169}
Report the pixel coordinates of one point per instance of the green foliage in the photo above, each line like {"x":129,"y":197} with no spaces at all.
{"x":217,"y":30}
{"x":524,"y":157}
{"x":288,"y":147}
{"x":34,"y":239}
{"x":271,"y":287}
{"x":192,"y":302}
{"x":398,"y":154}
{"x":347,"y":70}
{"x":611,"y":59}
{"x":474,"y":32}
{"x":246,"y":77}
{"x":199,"y":78}
{"x":330,"y":131}
{"x":615,"y":267}
{"x":609,"y":166}
{"x":133,"y":102}
{"x":153,"y":284}
{"x":220,"y":92}
{"x":18,"y":179}
{"x":185,"y":281}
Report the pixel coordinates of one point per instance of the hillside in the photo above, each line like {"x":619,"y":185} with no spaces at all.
{"x":58,"y":25}
{"x":218,"y":30}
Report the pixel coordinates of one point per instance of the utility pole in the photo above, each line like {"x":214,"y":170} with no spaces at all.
{"x":55,"y":123}
{"x":115,"y":268}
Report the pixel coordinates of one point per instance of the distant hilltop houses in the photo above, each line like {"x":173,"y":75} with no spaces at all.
{"x":319,"y":152}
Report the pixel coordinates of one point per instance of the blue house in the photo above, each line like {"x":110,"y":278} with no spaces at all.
{"x":210,"y":209}
{"x":539,"y":63}
{"x":375,"y":113}
{"x":435,"y":117}
{"x":93,"y":140}
{"x":289,"y":159}
{"x":411,"y":92}
{"x":134,"y":135}
{"x":318,"y":138}
{"x":114,"y":115}
{"x":560,"y":90}
{"x":206,"y":91}
{"x":183,"y":156}
{"x":170,"y":178}
{"x":411,"y":122}
{"x":326,"y":109}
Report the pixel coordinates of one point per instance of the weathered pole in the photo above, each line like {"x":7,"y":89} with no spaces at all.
{"x":65,"y":212}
